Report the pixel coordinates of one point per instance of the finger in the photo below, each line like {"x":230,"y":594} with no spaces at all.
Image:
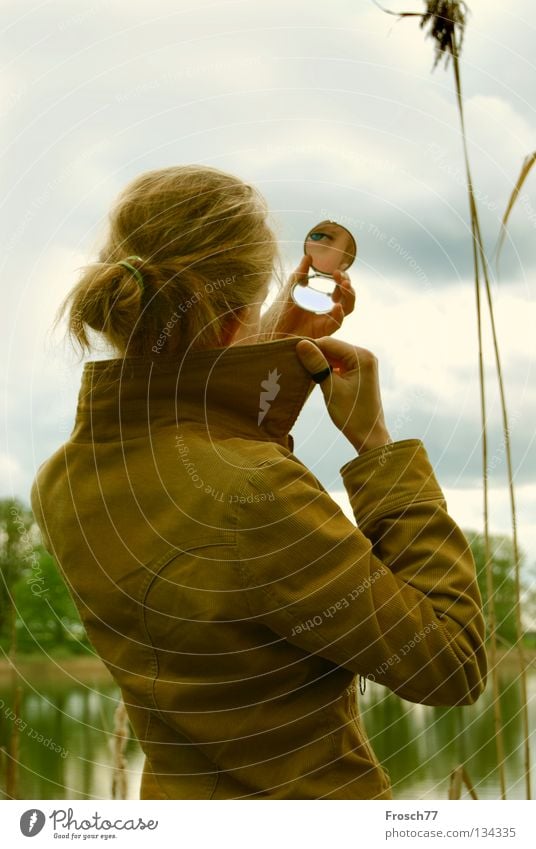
{"x":335,"y":316}
{"x":344,"y":292}
{"x":338,"y":353}
{"x":340,"y":281}
{"x":301,"y":273}
{"x":313,"y":360}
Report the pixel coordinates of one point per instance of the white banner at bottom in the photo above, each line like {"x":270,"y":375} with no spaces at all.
{"x":254,"y":824}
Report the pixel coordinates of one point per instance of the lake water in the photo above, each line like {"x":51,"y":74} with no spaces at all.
{"x":65,"y":733}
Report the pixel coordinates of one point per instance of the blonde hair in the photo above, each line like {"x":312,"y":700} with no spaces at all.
{"x":202,"y":243}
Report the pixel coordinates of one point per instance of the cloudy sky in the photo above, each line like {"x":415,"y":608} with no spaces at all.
{"x":332,"y":110}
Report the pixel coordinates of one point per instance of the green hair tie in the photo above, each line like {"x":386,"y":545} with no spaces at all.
{"x":137,"y":274}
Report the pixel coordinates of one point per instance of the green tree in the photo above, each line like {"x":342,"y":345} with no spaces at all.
{"x":36,"y":608}
{"x":503,"y":571}
{"x":14,"y":521}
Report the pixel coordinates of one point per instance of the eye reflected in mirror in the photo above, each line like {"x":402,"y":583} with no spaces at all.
{"x":331,"y":248}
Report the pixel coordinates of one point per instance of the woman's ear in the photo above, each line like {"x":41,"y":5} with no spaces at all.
{"x":235,"y":323}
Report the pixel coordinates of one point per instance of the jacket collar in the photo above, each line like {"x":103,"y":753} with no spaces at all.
{"x":256,"y":391}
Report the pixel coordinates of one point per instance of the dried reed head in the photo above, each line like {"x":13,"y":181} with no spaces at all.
{"x":446,"y":21}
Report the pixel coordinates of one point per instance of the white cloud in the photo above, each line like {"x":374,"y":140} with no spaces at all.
{"x":12,"y":476}
{"x":491,"y":118}
{"x":427,"y":337}
{"x":324,"y":107}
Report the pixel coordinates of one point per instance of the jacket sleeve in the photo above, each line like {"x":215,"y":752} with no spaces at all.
{"x":395,"y":599}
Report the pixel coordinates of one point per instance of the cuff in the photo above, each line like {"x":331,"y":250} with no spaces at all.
{"x":393,"y":475}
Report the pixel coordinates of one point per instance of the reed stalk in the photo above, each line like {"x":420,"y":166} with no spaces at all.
{"x":477,"y":239}
{"x":447,"y":23}
{"x":525,"y":169}
{"x":458,"y":777}
{"x":119,"y":742}
{"x":480,"y":259}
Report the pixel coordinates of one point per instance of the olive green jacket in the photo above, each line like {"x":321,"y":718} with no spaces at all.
{"x":230,"y":597}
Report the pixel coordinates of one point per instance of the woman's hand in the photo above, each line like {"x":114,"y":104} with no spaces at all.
{"x":295,"y":321}
{"x":351,"y":391}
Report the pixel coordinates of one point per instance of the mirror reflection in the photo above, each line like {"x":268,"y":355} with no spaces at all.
{"x":331,"y":248}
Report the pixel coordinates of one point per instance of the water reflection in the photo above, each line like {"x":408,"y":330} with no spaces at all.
{"x":65,"y":733}
{"x":64,"y":741}
{"x":419,"y":746}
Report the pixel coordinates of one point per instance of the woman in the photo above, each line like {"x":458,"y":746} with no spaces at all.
{"x":231,"y":599}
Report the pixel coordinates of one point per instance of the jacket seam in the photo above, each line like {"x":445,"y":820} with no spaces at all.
{"x":247,"y":579}
{"x":216,"y":781}
{"x":166,"y":558}
{"x":444,"y":625}
{"x":163,"y":561}
{"x":391,"y":448}
{"x":395,"y":504}
{"x":160,"y":561}
{"x":159,"y":564}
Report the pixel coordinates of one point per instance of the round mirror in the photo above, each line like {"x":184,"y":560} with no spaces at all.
{"x":331,"y":248}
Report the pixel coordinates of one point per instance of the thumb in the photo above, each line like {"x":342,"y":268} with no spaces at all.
{"x":312,"y":358}
{"x":301,"y":273}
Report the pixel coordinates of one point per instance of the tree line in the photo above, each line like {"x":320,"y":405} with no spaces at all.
{"x":37,"y":613}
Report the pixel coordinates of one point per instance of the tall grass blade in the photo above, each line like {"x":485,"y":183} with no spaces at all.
{"x":528,"y":162}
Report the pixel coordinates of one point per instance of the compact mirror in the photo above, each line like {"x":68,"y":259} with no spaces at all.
{"x":331,"y":248}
